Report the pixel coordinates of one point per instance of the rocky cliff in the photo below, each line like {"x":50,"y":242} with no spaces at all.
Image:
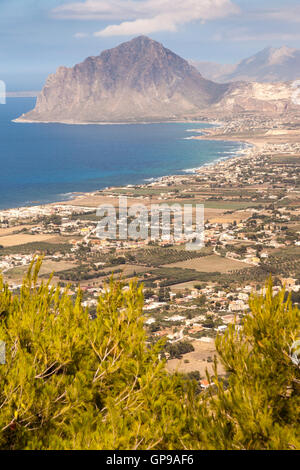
{"x":139,"y":80}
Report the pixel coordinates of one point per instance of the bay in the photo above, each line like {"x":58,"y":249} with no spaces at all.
{"x":42,"y":163}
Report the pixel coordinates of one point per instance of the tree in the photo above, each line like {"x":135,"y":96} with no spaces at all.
{"x":260,"y":408}
{"x":71,"y":382}
{"x":198,"y":286}
{"x":177,"y":350}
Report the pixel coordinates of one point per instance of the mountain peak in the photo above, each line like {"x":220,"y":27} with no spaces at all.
{"x":139,"y":80}
{"x":143,"y":39}
{"x":279,"y":55}
{"x":137,"y":49}
{"x":139,"y":41}
{"x":271,"y":64}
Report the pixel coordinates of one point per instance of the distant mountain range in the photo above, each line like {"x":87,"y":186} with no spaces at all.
{"x":142,"y":81}
{"x":269,"y":65}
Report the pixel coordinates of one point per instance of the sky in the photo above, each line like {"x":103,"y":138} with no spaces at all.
{"x":37,"y":36}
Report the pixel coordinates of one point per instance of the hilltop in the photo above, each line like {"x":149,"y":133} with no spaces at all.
{"x":139,"y":80}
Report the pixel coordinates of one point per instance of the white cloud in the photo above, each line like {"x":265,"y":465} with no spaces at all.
{"x":142,"y":26}
{"x":146,"y":16}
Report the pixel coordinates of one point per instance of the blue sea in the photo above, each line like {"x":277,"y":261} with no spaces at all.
{"x":41,"y":163}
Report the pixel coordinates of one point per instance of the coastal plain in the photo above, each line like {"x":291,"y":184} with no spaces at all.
{"x":252,"y":228}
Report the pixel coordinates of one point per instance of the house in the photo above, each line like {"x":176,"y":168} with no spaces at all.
{"x":154,"y":305}
{"x":222,"y":328}
{"x":228,"y":319}
{"x":196,"y":329}
{"x":175,"y":318}
{"x":205,"y":384}
{"x":243,"y":296}
{"x":237,"y":306}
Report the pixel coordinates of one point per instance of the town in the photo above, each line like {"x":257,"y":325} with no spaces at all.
{"x":252,"y":227}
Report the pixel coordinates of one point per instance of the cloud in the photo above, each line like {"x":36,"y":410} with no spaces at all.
{"x":246,"y":35}
{"x":96,"y":9}
{"x":80,"y":35}
{"x":288,"y":14}
{"x":146,"y":16}
{"x":142,"y":26}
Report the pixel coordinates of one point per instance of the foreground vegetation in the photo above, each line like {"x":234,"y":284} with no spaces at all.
{"x":72,"y":382}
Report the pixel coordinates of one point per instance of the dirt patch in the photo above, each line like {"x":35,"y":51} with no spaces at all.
{"x":197,"y":360}
{"x":4,"y":232}
{"x":219,"y":216}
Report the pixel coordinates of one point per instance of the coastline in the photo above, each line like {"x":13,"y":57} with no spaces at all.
{"x":245,"y":152}
{"x":208,"y":134}
{"x":117,"y":123}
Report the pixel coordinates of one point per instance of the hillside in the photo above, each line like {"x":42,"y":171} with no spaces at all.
{"x":139,"y":80}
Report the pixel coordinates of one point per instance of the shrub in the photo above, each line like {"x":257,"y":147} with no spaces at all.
{"x":177,"y":350}
{"x":260,"y":408}
{"x":70,"y":382}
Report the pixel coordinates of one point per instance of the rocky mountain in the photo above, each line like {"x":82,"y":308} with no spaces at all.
{"x":139,"y":80}
{"x":268,"y":99}
{"x":269,"y":65}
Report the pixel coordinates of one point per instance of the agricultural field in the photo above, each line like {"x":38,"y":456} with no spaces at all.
{"x":23,"y":238}
{"x":201,"y":359}
{"x":4,"y":232}
{"x":223,"y":205}
{"x":208,"y":264}
{"x":157,"y":256}
{"x":183,"y":286}
{"x":285,"y":159}
{"x":128,"y":270}
{"x":47,"y":268}
{"x":285,"y":262}
{"x":41,"y":247}
{"x":171,"y":276}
